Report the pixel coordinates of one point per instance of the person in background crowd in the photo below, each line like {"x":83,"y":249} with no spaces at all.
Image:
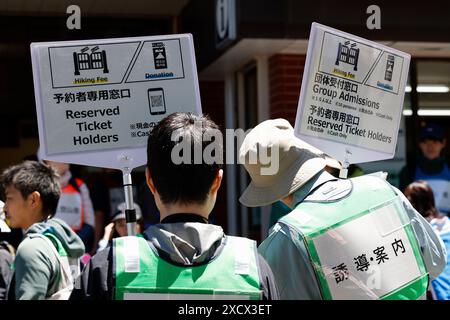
{"x":47,"y":260}
{"x":431,"y":166}
{"x":421,"y":197}
{"x":106,"y":189}
{"x":118,"y":226}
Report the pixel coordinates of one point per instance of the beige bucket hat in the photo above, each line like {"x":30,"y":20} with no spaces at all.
{"x":295,"y":160}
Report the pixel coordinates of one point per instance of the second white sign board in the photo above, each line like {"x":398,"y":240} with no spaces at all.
{"x":351,"y":97}
{"x":97,"y":100}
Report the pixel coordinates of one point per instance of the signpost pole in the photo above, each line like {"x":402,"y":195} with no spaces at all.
{"x":130,"y":211}
{"x":343,"y":173}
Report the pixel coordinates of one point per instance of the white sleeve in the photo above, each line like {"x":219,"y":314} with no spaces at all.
{"x":431,"y":245}
{"x":87,"y":205}
{"x":102,"y":244}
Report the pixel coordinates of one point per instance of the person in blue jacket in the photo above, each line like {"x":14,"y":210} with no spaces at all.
{"x":431,"y":166}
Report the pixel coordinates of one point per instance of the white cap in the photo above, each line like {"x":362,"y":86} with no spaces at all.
{"x":120,"y":212}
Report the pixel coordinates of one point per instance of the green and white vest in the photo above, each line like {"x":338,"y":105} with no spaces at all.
{"x":361,"y":246}
{"x":140,"y":274}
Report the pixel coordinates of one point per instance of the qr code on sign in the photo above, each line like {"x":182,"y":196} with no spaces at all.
{"x":156,"y":101}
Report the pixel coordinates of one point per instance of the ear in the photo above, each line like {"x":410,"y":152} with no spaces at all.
{"x":149,"y":180}
{"x":34,"y":199}
{"x":217,"y":182}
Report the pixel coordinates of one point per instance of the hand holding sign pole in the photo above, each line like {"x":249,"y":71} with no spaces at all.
{"x":98,"y":100}
{"x":351,"y":96}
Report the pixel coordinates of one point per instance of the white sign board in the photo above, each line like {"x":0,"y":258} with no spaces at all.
{"x":351,"y":97}
{"x":381,"y":261}
{"x":391,"y":166}
{"x":97,"y":100}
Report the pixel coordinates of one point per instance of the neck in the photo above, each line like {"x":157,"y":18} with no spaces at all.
{"x":38,"y":217}
{"x":193,"y":208}
{"x":300,"y":194}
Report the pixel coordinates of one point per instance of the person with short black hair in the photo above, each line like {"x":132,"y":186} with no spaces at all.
{"x":183,"y":255}
{"x":47,"y":259}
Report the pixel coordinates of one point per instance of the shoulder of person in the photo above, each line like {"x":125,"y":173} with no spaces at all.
{"x":279,"y":235}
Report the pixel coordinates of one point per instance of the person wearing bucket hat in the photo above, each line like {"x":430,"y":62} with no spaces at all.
{"x":342,"y":235}
{"x":431,"y":165}
{"x":183,"y":256}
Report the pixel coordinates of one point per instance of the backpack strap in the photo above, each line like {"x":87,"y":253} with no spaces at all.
{"x":8,"y":247}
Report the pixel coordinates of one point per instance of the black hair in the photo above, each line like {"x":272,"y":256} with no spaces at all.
{"x":30,"y":176}
{"x":183,"y":182}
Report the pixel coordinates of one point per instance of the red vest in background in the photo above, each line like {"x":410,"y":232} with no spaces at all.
{"x":70,"y":205}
